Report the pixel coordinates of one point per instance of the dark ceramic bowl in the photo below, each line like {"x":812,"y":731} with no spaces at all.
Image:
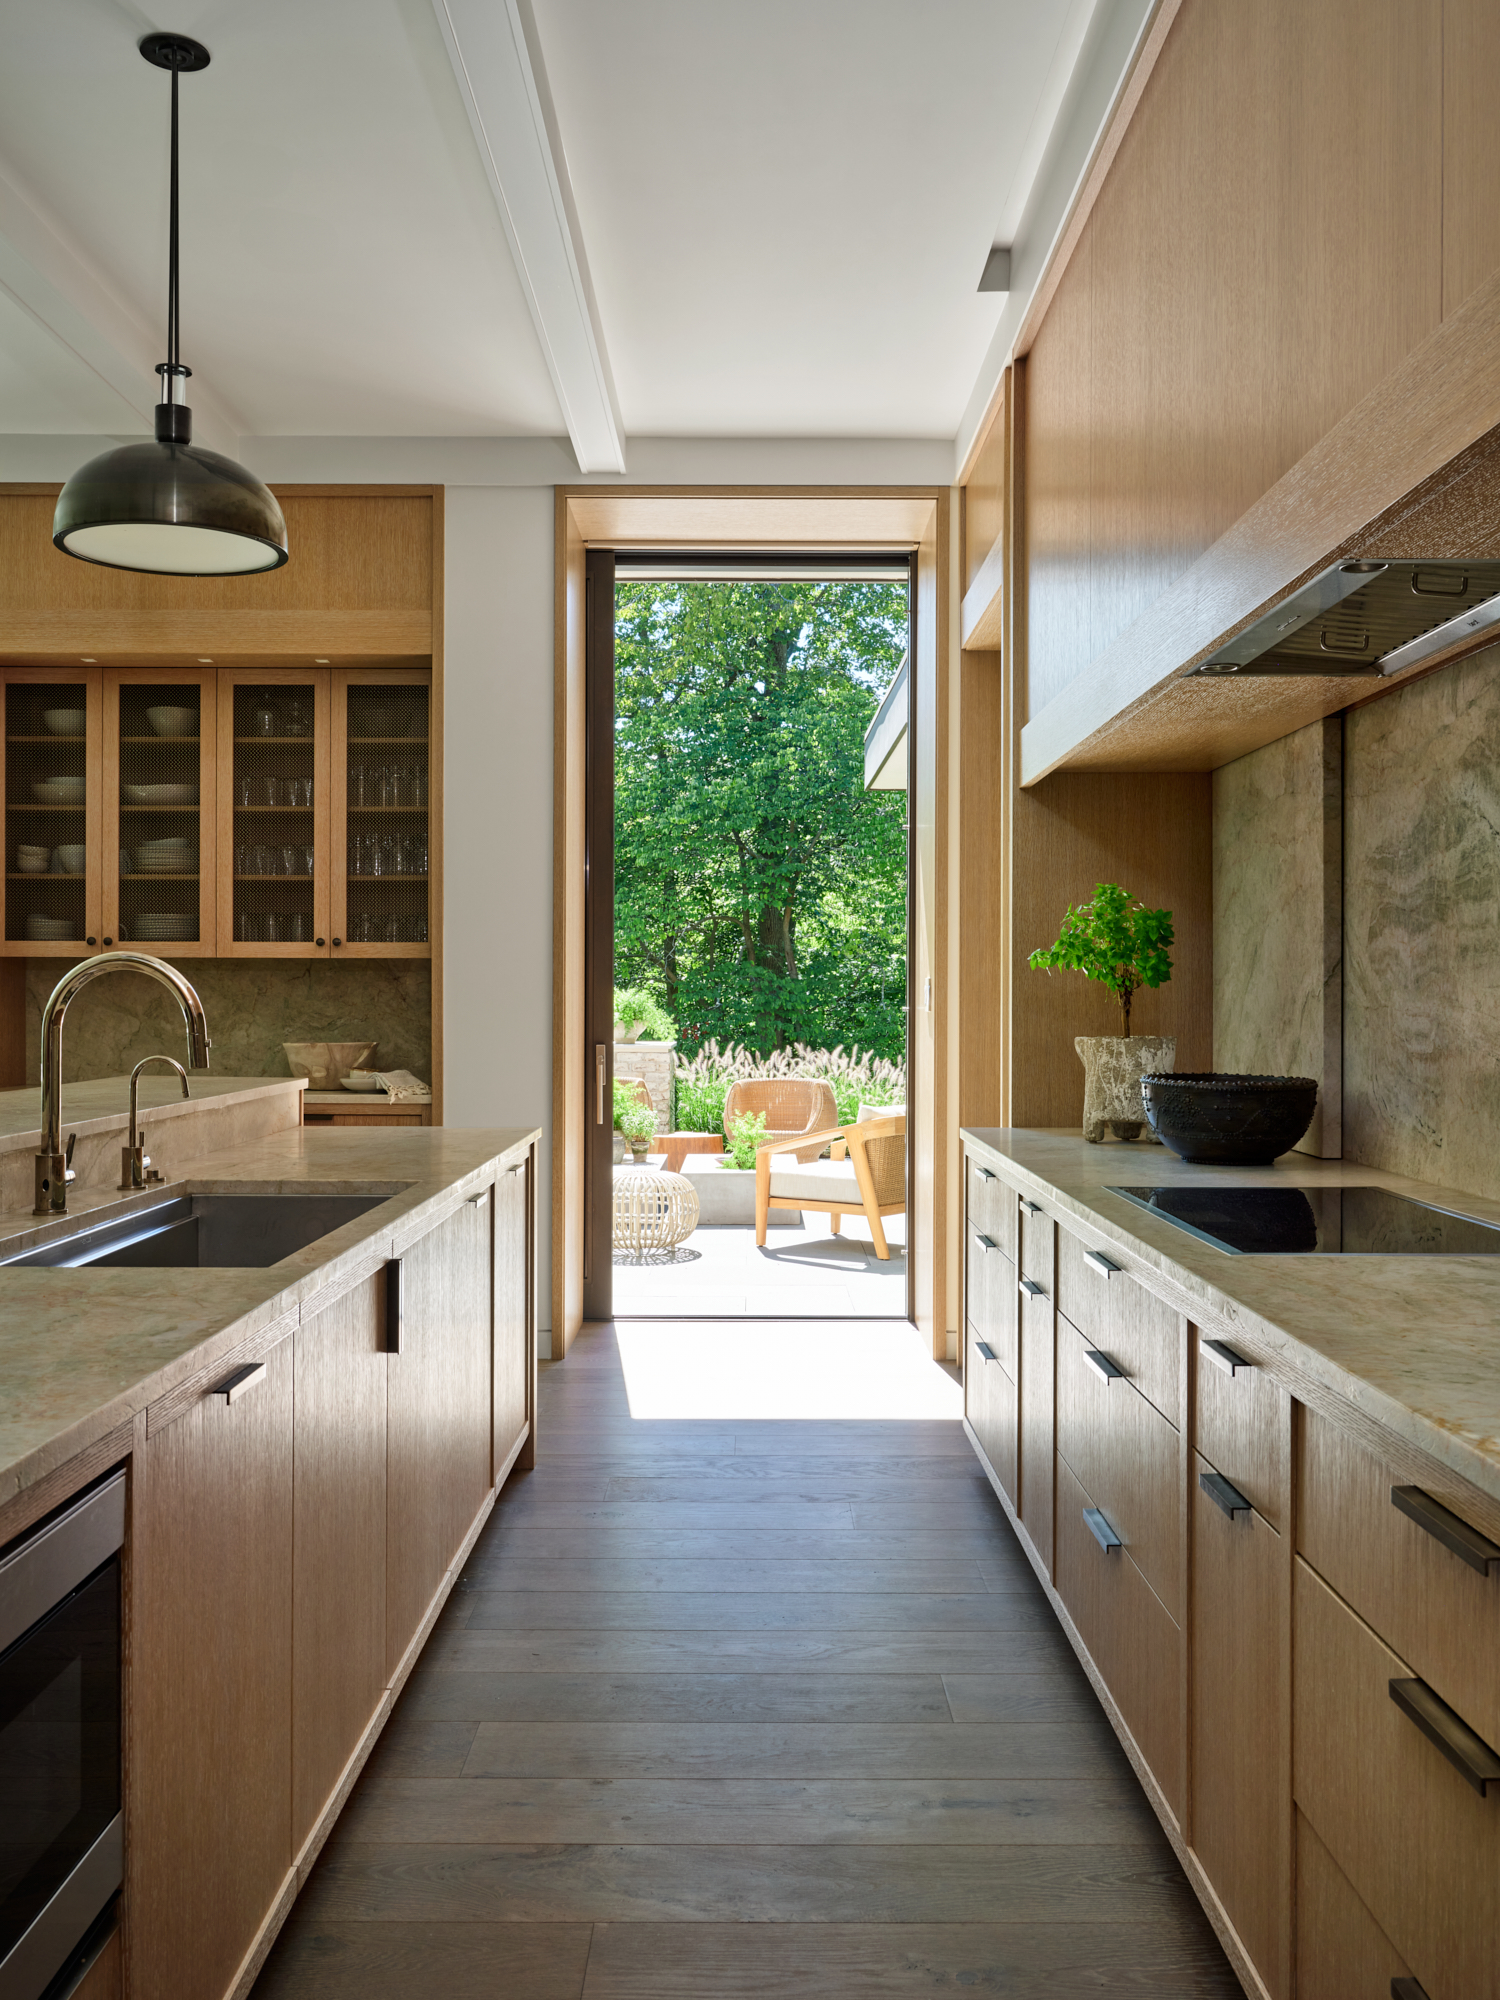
{"x":1229,"y":1121}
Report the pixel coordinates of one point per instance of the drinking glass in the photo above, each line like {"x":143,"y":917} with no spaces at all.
{"x":374,"y":855}
{"x":266,"y":720}
{"x":248,"y":928}
{"x":291,"y":860}
{"x":307,"y":858}
{"x":247,"y":791}
{"x":269,"y":791}
{"x":297,"y":927}
{"x":272,"y":931}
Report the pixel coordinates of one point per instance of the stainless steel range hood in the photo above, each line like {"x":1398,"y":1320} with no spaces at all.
{"x":1366,"y":618}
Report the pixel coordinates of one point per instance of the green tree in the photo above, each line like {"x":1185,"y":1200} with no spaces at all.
{"x":760,"y":890}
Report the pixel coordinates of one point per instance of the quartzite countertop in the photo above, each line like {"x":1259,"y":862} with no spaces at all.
{"x":83,"y":1351}
{"x":1413,"y":1342}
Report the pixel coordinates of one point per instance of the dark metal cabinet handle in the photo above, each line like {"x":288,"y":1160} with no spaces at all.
{"x":393,"y":1305}
{"x":477,"y":1200}
{"x":1224,"y":1493}
{"x":986,"y":1243}
{"x":1031,"y":1288}
{"x":319,"y":943}
{"x":234,"y":1386}
{"x":1097,"y":1261}
{"x":1477,"y":1550}
{"x":983,"y":1347}
{"x":90,"y":940}
{"x":984,"y":1173}
{"x":1101,"y":1531}
{"x":107,"y":943}
{"x":1108,"y":1371}
{"x":1031,"y":1207}
{"x":1225,"y":1357}
{"x":1469,"y":1754}
{"x":1408,"y":1989}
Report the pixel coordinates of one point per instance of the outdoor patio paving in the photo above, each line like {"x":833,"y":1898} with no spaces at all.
{"x":802,"y":1273}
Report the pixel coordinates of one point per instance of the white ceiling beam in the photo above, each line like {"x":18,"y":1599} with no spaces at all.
{"x":51,"y":280}
{"x":503,"y":87}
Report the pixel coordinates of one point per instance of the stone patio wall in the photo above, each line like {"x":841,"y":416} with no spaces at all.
{"x":655,"y":1063}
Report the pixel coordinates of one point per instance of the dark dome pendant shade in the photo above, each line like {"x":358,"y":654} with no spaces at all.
{"x":170,"y":507}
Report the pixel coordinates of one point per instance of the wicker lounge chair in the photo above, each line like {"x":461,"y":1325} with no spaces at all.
{"x":793,"y":1107}
{"x":865,"y":1175}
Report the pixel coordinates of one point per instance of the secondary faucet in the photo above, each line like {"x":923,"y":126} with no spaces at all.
{"x":52,"y":1170}
{"x":135,"y":1162}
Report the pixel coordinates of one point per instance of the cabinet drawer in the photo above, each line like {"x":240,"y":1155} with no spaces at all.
{"x":1342,"y":1953}
{"x":1115,"y":1313}
{"x":1038,"y":1425}
{"x":1131,"y":1640}
{"x":1424,"y":1601}
{"x":1129,"y":1457}
{"x":1419,"y":1845}
{"x":991,"y":1407}
{"x":1035,"y":1231}
{"x":992,"y":1205}
{"x":1239,"y":1724}
{"x":1244,"y":1423}
{"x":991,"y":1305}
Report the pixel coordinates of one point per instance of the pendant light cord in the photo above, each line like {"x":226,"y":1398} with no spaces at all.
{"x":172,"y":255}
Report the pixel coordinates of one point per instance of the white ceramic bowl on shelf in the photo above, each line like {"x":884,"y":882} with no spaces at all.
{"x":50,"y":929}
{"x":326,"y":1064}
{"x":70,"y":860}
{"x":60,"y":791}
{"x":173,"y":721}
{"x":65,"y":721}
{"x":33,"y":860}
{"x":362,"y":1079}
{"x":160,"y":795}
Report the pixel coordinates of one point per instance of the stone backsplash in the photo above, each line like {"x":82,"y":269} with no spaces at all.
{"x":253,"y":1006}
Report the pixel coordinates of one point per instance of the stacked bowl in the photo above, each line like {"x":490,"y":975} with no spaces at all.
{"x":33,"y":860}
{"x":70,"y":860}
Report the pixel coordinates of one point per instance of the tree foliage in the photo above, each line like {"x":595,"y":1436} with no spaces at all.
{"x":1115,"y":939}
{"x":760,"y":890}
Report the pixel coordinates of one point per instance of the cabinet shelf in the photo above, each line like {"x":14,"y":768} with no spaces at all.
{"x":373,"y":881}
{"x":273,"y":878}
{"x":417,"y":742}
{"x":365,"y":811}
{"x":283,"y":810}
{"x":155,"y":741}
{"x":41,"y":875}
{"x":48,"y":738}
{"x":300,"y":742}
{"x":75,"y":810}
{"x":154,"y":877}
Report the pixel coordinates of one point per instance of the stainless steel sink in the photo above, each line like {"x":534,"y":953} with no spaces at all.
{"x":209,"y":1231}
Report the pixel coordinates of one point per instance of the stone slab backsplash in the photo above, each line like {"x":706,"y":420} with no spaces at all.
{"x":253,"y":1006}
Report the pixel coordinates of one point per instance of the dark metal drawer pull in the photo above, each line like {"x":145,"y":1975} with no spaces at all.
{"x":1107,"y":1370}
{"x":1225,"y":1357}
{"x":1408,"y":1989}
{"x":1031,"y":1288}
{"x":1469,"y":1754}
{"x":984,"y":1173}
{"x":234,"y":1386}
{"x":1101,"y":1531}
{"x":1031,"y":1207}
{"x":1097,"y":1261}
{"x":986,"y":1243}
{"x":1477,"y":1550}
{"x":1224,"y":1493}
{"x":393,"y":1305}
{"x":983,"y":1347}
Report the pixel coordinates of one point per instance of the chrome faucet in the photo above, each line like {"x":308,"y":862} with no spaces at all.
{"x":135,"y":1163}
{"x":52,"y":1170}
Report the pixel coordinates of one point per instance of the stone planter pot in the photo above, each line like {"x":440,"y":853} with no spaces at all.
{"x":1113,"y":1066}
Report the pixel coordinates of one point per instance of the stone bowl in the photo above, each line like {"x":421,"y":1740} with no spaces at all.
{"x":1229,"y":1121}
{"x":326,"y":1064}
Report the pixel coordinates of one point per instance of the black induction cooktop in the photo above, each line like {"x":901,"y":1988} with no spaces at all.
{"x":1317,"y":1221}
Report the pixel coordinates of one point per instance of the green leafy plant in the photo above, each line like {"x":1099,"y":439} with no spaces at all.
{"x":1114,"y":939}
{"x":627,"y":1097}
{"x":634,"y":1003}
{"x":638,"y":1122}
{"x":747,"y":1132}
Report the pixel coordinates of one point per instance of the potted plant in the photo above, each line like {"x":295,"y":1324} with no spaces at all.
{"x":1116,"y":940}
{"x":747,"y":1134}
{"x":638,"y":1123}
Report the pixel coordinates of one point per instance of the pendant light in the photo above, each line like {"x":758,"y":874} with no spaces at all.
{"x":170,"y":507}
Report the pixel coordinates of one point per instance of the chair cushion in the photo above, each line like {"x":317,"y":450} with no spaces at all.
{"x":879,"y":1111}
{"x":814,"y":1180}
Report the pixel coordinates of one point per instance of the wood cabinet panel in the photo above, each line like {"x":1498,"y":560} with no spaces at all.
{"x":440,"y":1418}
{"x":1129,"y":1458}
{"x":105,"y":1978}
{"x":1129,"y":1323}
{"x":511,"y":1379}
{"x":1244,"y":1427}
{"x":991,"y":1205}
{"x":38,"y":901}
{"x":1239,"y":1724}
{"x":1419,"y":1845}
{"x":1037,"y":1259}
{"x":1130,"y":1638}
{"x":990,"y":1404}
{"x":1471,"y":147}
{"x":1424,"y":1601}
{"x":1342,"y":1953}
{"x":137,"y":897}
{"x":993,"y":1299}
{"x":208,"y":1838}
{"x":1038,"y":1425}
{"x":338,"y":1567}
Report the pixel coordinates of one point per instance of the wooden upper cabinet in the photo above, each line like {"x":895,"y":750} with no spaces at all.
{"x":274,"y":819}
{"x":53,"y":822}
{"x":157,"y":822}
{"x":384,"y":815}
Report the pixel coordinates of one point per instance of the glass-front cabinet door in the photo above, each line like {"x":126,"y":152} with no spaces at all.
{"x":53,"y":854}
{"x":274,"y":823}
{"x":382,"y":799}
{"x":160,"y":751}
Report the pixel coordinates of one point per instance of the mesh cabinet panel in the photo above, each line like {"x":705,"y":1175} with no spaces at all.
{"x":273,"y":814}
{"x":388,"y":815}
{"x":46,"y":821}
{"x":161,"y":813}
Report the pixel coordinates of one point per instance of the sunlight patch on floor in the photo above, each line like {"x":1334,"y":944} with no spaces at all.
{"x":875,"y":1370}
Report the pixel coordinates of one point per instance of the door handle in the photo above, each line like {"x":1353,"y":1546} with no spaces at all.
{"x":983,"y":1347}
{"x":986,"y":1243}
{"x":393,"y":1305}
{"x":1031,"y":1288}
{"x":600,"y":1054}
{"x":984,"y":1173}
{"x":1225,"y":1495}
{"x":1469,"y":1754}
{"x":1477,"y":1550}
{"x":477,"y":1200}
{"x":1031,"y":1207}
{"x":1096,"y":1261}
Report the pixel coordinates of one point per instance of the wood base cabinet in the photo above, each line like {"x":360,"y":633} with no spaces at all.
{"x":1342,"y":1953}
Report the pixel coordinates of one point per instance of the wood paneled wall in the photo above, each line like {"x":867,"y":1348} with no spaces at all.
{"x":1299,"y":197}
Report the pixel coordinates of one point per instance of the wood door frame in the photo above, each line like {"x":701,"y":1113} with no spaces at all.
{"x":912,"y":520}
{"x":599,"y":931}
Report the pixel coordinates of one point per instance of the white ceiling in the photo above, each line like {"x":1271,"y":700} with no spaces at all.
{"x":783,"y":208}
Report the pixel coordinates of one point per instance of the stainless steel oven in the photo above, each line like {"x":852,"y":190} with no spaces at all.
{"x":61,"y":1846}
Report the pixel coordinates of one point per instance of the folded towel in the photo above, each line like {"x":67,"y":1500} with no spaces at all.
{"x":401,"y":1086}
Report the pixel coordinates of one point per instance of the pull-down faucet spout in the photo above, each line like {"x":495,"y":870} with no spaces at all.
{"x":52,"y":1171}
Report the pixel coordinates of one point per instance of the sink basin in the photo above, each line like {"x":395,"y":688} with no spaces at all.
{"x":206,"y":1231}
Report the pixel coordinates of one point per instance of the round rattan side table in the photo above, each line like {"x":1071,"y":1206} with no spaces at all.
{"x":653,"y":1210}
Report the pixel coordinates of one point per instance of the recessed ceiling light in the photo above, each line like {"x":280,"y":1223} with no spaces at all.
{"x":205,"y":663}
{"x":89,"y":660}
{"x":319,"y":661}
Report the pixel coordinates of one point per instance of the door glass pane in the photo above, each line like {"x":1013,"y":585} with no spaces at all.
{"x":388,"y":815}
{"x":161,"y":813}
{"x":273,"y":815}
{"x":46,"y":825}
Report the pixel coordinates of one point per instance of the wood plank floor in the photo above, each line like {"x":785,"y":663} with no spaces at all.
{"x":728,"y":1710}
